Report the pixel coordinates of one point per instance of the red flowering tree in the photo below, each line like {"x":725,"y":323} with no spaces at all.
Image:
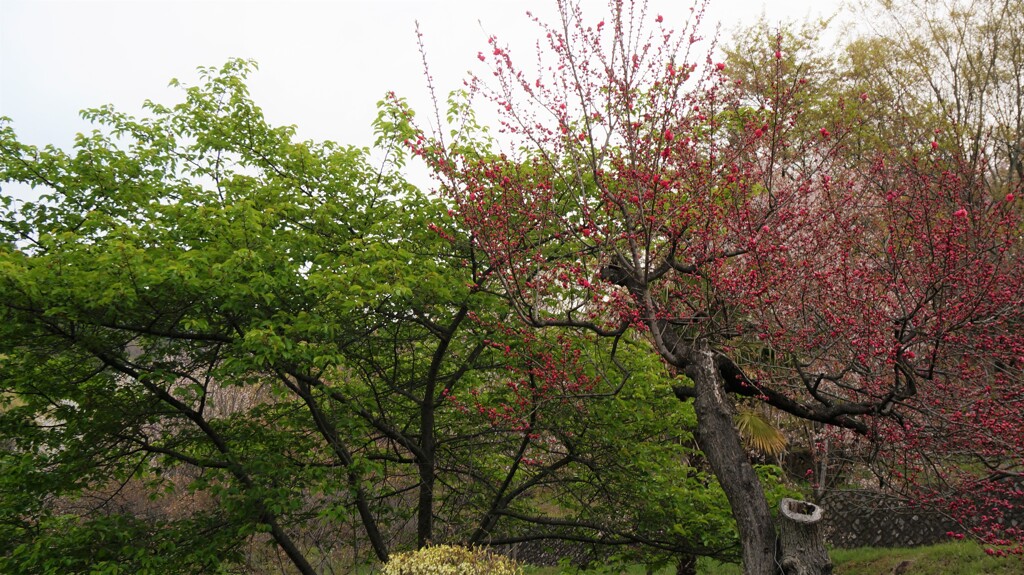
{"x":645,"y":194}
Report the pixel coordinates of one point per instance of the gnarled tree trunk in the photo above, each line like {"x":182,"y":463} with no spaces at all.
{"x":798,"y":546}
{"x":720,"y":442}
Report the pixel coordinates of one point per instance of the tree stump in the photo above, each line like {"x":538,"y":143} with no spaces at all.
{"x":801,"y":542}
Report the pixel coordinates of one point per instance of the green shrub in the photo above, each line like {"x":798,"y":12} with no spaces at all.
{"x":450,"y":560}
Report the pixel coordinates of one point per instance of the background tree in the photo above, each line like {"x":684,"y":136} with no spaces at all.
{"x":906,"y":85}
{"x":645,"y":194}
{"x":964,"y":61}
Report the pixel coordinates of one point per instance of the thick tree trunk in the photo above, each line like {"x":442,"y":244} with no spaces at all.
{"x":800,"y":539}
{"x":687,"y":565}
{"x":426,"y":464}
{"x":425,"y":507}
{"x":798,"y":548}
{"x":720,"y":442}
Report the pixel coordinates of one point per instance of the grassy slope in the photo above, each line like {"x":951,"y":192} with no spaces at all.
{"x":956,"y":558}
{"x":962,"y":558}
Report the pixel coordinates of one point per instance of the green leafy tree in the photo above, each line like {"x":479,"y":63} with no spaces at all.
{"x":173,"y":300}
{"x":214,"y":336}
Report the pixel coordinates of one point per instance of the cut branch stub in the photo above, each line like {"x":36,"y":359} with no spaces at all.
{"x":801,"y":511}
{"x":801,"y":546}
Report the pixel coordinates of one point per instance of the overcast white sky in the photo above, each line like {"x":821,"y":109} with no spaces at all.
{"x":323,"y":64}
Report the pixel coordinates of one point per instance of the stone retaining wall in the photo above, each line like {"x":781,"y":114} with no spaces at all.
{"x":871,"y":519}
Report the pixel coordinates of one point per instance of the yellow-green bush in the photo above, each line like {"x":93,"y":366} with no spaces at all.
{"x":450,"y":560}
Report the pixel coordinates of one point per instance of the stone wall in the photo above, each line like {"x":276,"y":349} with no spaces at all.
{"x":871,"y":519}
{"x":866,"y":518}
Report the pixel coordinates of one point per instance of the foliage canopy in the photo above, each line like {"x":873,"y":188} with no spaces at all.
{"x":215,"y":337}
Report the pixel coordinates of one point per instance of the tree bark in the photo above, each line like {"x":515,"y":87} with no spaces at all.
{"x":425,"y":505}
{"x":687,"y":565}
{"x":720,"y":442}
{"x":798,"y":547}
{"x":800,"y":539}
{"x":426,"y":463}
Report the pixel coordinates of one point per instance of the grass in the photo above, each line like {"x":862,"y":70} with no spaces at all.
{"x":954,"y":558}
{"x":705,"y":566}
